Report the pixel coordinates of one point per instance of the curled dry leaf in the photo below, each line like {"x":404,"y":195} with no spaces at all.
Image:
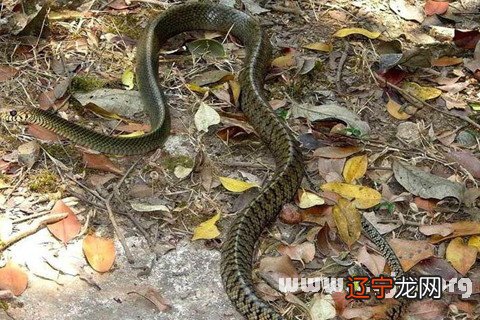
{"x":66,"y":229}
{"x":319,"y":46}
{"x":461,"y":255}
{"x":13,"y":278}
{"x":451,"y":230}
{"x":364,"y":32}
{"x":100,"y":252}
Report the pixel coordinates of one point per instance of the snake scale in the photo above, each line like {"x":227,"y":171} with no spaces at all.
{"x":238,"y":249}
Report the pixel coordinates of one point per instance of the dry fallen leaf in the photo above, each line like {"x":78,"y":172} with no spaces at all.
{"x":348,"y":31}
{"x":304,"y":252}
{"x":422,"y":93}
{"x":205,"y":117}
{"x":100,"y":162}
{"x":461,"y":255}
{"x":395,"y":110}
{"x":100,"y":252}
{"x":348,"y":221}
{"x":235,"y":185}
{"x":13,"y":278}
{"x":308,"y":199}
{"x":374,"y":262}
{"x":411,"y":252}
{"x":363,"y":197}
{"x":66,"y":229}
{"x":319,"y":46}
{"x":207,"y":229}
{"x":355,"y":168}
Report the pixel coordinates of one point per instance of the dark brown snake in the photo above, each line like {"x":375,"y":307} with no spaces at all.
{"x":238,"y":249}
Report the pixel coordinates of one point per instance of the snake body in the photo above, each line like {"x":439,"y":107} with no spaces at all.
{"x":238,"y":249}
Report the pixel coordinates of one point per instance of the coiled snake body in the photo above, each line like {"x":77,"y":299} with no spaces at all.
{"x":237,"y":251}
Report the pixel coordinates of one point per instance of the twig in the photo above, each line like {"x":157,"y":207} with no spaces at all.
{"x":278,"y":8}
{"x":34,"y":227}
{"x":341,"y":63}
{"x":121,"y":238}
{"x":33,"y":216}
{"x":22,"y":177}
{"x":424,"y":103}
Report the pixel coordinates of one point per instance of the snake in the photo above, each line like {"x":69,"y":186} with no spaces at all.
{"x":238,"y":248}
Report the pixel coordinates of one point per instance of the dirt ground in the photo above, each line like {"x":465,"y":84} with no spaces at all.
{"x":82,"y":65}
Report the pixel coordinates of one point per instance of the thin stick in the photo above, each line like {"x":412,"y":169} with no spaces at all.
{"x":120,"y":235}
{"x":341,"y":63}
{"x":34,"y":227}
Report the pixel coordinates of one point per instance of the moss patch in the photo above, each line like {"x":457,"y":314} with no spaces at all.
{"x":127,"y":25}
{"x":44,"y":182}
{"x":170,"y":163}
{"x":86,"y":83}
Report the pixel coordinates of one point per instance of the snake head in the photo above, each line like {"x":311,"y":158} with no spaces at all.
{"x":14,"y":116}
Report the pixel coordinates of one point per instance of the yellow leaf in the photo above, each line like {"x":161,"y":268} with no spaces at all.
{"x":132,"y":134}
{"x":197,"y":88}
{"x":309,"y":199}
{"x":460,"y":255}
{"x":127,"y":79}
{"x":284,"y":62}
{"x":394,"y":109}
{"x":319,"y":46}
{"x":355,"y":168}
{"x":235,"y":185}
{"x":348,"y":31}
{"x":347,"y":219}
{"x":474,"y":241}
{"x":364,"y":197}
{"x":207,"y":229}
{"x":422,"y":93}
{"x":102,"y":112}
{"x":236,"y":89}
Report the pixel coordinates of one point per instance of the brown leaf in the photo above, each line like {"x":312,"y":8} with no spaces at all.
{"x":336,"y":152}
{"x":100,"y":252}
{"x":304,"y":252}
{"x":290,"y":214}
{"x":446,"y":61}
{"x":374,"y":263}
{"x":100,"y":162}
{"x":428,"y":205}
{"x":41,"y":133}
{"x":13,"y":278}
{"x":466,"y":39}
{"x":274,"y":268}
{"x":427,"y":309}
{"x":460,"y":229}
{"x":157,"y":299}
{"x":435,"y":7}
{"x":66,"y":229}
{"x":467,"y":160}
{"x":410,"y":252}
{"x":7,"y":72}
